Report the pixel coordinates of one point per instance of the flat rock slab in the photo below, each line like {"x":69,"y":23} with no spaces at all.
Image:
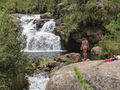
{"x":99,"y":75}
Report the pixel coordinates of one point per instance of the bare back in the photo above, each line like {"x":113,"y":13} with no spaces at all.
{"x":84,"y":45}
{"x":84,"y":48}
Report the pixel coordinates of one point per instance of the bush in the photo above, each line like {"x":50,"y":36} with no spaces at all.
{"x":87,"y":13}
{"x":111,"y":41}
{"x":11,"y":59}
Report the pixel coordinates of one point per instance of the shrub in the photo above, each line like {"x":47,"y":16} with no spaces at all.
{"x":11,"y":59}
{"x":111,"y":41}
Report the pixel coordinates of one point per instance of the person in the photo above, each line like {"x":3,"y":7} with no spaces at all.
{"x":84,"y":48}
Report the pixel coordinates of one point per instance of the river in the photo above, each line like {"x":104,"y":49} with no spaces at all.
{"x":40,"y":42}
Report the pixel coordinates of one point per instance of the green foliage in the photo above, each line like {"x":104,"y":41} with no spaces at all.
{"x":29,"y":67}
{"x":54,"y":69}
{"x":35,"y":63}
{"x":67,"y":62}
{"x":78,"y":14}
{"x":11,"y":59}
{"x":114,"y":25}
{"x":70,"y":23}
{"x":39,"y":63}
{"x":82,"y":79}
{"x":29,"y":6}
{"x":87,"y":13}
{"x":111,"y":42}
{"x":44,"y":62}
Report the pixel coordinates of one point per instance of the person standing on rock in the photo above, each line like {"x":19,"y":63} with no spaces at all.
{"x":84,"y":48}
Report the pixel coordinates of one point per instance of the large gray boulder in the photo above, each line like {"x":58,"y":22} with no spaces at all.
{"x":99,"y":75}
{"x":96,"y":52}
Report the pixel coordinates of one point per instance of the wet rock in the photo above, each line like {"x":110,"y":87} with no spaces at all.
{"x":37,"y":71}
{"x":100,"y":76}
{"x":52,"y":64}
{"x":46,"y":15}
{"x":39,"y":23}
{"x":71,"y":57}
{"x":46,"y":69}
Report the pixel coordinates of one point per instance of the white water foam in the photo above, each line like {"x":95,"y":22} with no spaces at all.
{"x":43,"y":51}
{"x":38,"y":81}
{"x":44,"y":39}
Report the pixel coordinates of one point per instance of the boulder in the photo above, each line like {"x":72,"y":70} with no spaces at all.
{"x":46,"y":15}
{"x":71,"y":57}
{"x":96,"y":52}
{"x":99,"y":75}
{"x":46,"y":69}
{"x":39,"y":23}
{"x":52,"y":64}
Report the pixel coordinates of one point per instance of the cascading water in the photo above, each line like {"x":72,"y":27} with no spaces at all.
{"x":38,"y":81}
{"x":42,"y":40}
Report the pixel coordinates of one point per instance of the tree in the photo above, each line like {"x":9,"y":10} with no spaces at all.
{"x":11,"y":59}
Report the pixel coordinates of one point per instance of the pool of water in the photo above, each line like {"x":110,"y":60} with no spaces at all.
{"x":46,"y":54}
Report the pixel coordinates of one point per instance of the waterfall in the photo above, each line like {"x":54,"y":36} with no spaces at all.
{"x":42,"y":42}
{"x":38,"y":81}
{"x":43,"y":39}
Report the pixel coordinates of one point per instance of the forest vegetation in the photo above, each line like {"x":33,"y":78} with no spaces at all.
{"x":80,"y":13}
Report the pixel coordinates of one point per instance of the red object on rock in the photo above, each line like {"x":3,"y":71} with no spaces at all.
{"x":108,"y":60}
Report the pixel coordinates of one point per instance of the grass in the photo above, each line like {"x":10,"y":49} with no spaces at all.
{"x":82,"y":79}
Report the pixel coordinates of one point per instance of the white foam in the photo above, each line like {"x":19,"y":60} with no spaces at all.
{"x":44,"y":39}
{"x":43,"y":50}
{"x":38,"y":81}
